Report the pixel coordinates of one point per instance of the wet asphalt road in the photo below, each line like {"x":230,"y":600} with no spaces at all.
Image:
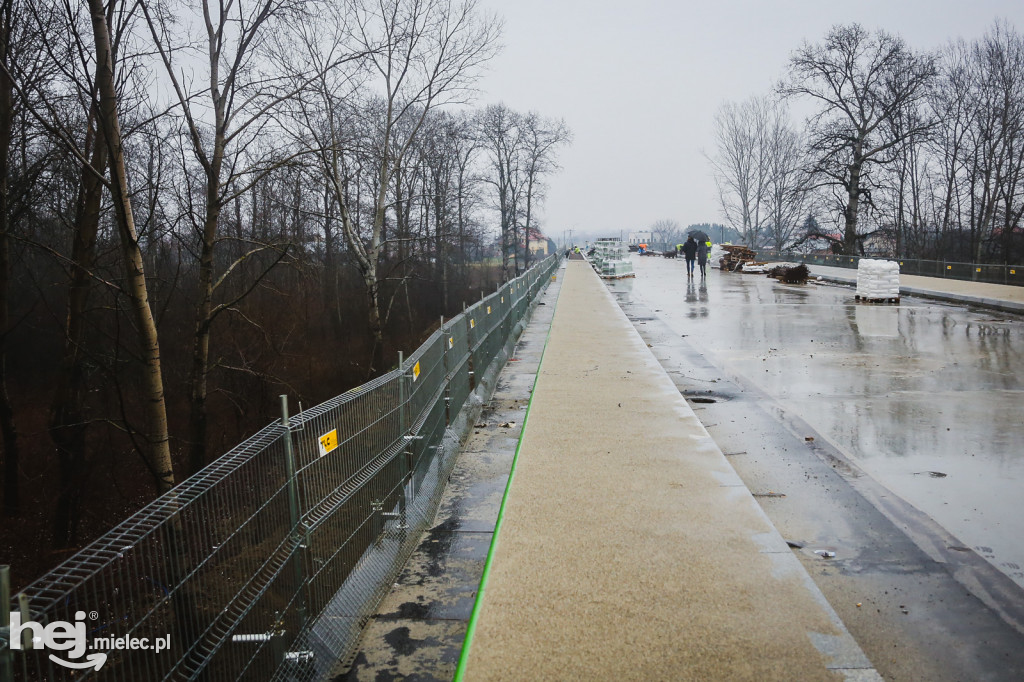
{"x":836,"y":414}
{"x":905,"y":390}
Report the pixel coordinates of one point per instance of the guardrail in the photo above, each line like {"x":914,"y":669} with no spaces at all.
{"x":268,"y":563}
{"x":976,"y":272}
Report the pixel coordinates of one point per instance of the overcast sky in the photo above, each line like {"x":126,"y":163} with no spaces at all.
{"x":638,"y":82}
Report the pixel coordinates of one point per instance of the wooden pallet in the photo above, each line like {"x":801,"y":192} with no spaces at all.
{"x":865,"y":299}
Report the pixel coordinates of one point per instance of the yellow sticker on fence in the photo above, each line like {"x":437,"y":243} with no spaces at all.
{"x":328,"y":442}
{"x":488,"y":310}
{"x":416,"y":371}
{"x":451,"y":342}
{"x":1013,"y":272}
{"x":472,"y":323}
{"x":949,"y":267}
{"x":977,"y":269}
{"x":502,"y":299}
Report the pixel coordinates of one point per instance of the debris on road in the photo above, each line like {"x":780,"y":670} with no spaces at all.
{"x":825,"y":554}
{"x":790,"y":274}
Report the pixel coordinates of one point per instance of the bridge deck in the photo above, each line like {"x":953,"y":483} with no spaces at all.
{"x":629,"y":548}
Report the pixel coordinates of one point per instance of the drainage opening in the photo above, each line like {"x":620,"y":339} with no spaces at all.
{"x":702,"y":400}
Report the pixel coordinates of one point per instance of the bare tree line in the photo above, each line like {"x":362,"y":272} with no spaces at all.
{"x":202,"y":204}
{"x":906,"y":153}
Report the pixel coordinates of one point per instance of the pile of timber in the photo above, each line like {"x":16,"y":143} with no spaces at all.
{"x":735,"y":257}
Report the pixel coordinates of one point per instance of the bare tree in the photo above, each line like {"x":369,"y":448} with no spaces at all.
{"x":419,"y":55}
{"x":12,"y":45}
{"x":740,"y":165}
{"x":785,"y":186}
{"x":502,"y":138}
{"x":157,"y":446}
{"x":224,"y":120}
{"x":860,"y":80}
{"x":542,"y":138}
{"x":666,"y":231}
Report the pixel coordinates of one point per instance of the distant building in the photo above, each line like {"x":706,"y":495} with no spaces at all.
{"x":641,"y":237}
{"x":539,"y":245}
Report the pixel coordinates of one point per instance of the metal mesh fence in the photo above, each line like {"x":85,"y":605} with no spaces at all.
{"x":268,"y":563}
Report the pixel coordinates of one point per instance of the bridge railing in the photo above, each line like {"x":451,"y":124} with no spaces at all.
{"x":976,"y":272}
{"x":268,"y":563}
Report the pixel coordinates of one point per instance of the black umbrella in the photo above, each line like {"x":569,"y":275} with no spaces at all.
{"x":700,"y":236}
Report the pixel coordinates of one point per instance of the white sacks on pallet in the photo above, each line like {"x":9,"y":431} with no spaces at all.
{"x":878,"y":279}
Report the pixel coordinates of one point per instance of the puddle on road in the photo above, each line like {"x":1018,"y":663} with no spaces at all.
{"x":902,"y":389}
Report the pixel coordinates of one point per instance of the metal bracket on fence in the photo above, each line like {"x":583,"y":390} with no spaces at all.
{"x":301,"y":426}
{"x":259,"y":637}
{"x":413,"y":437}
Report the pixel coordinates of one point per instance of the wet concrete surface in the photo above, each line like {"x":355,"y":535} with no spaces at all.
{"x":833,"y":414}
{"x":905,"y":390}
{"x":418,"y":630}
{"x":630,"y":549}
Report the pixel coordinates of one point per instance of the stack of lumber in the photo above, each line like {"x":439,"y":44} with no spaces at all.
{"x":735,"y":257}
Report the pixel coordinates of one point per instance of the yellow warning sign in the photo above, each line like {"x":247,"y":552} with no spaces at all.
{"x":328,"y":441}
{"x":416,"y":371}
{"x":488,"y":310}
{"x":472,"y":323}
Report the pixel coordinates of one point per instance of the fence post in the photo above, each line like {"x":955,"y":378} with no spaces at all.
{"x":6,"y":653}
{"x":447,"y":377}
{"x":294,"y":512}
{"x":405,"y":425}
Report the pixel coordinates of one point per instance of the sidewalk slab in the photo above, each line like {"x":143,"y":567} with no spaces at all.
{"x":630,"y":549}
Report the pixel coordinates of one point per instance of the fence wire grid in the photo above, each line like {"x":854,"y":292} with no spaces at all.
{"x":268,"y":563}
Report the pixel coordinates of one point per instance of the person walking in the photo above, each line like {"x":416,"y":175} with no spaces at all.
{"x":690,"y":251}
{"x":702,"y":257}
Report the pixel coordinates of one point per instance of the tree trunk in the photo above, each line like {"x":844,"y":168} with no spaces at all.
{"x":67,"y":413}
{"x":158,"y":451}
{"x":852,"y":206}
{"x":203,"y":322}
{"x":11,"y":501}
{"x":376,"y":326}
